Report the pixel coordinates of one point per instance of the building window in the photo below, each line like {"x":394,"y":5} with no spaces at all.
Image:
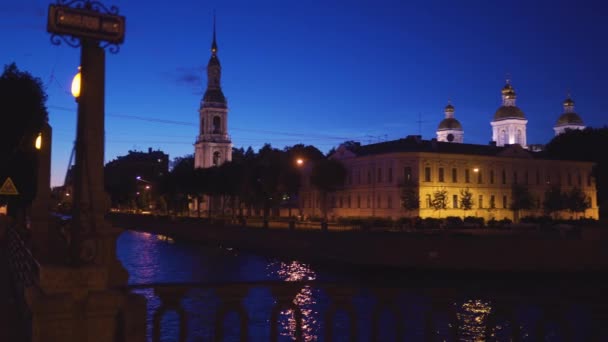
{"x":569,"y":179}
{"x":369,"y":177}
{"x":427,"y":174}
{"x":389,"y":202}
{"x":579,"y":179}
{"x":341,"y":203}
{"x":467,"y":177}
{"x":358,"y":201}
{"x":518,"y":139}
{"x":537,"y":177}
{"x":350,"y":177}
{"x":216,"y":158}
{"x":358,"y":176}
{"x":504,"y":202}
{"x":379,"y":178}
{"x":379,"y":203}
{"x":454,"y":175}
{"x":514,"y":177}
{"x":589,"y":180}
{"x":368,"y":202}
{"x":492,"y":202}
{"x":390,"y":175}
{"x":479,"y":177}
{"x":441,"y":174}
{"x":547,"y":178}
{"x":455,"y":201}
{"x":491,"y":176}
{"x":428,"y":201}
{"x":526,"y":179}
{"x":407,"y":173}
{"x":504,"y":176}
{"x":480,"y":202}
{"x":348,"y":201}
{"x":217,"y":125}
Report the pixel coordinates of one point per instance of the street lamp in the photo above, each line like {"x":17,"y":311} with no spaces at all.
{"x":300,"y":161}
{"x":76,"y":84}
{"x":38,"y":142}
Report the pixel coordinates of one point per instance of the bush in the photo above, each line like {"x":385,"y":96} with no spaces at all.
{"x":474,"y":221}
{"x":431,"y":223}
{"x":453,"y":222}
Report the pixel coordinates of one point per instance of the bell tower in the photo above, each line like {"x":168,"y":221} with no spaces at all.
{"x":213,"y":146}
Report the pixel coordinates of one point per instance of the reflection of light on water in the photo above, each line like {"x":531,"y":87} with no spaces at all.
{"x":297,"y":271}
{"x":472,"y":316}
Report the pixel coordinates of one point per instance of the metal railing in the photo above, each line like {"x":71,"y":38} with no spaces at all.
{"x":311,"y":310}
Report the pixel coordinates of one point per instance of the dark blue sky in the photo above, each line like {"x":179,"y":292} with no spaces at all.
{"x":321,"y":72}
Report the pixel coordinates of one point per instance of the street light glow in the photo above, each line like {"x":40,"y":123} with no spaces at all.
{"x":38,"y":142}
{"x":76,"y":84}
{"x":299,"y":161}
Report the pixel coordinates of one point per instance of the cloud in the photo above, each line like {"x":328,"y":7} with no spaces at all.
{"x":188,"y":77}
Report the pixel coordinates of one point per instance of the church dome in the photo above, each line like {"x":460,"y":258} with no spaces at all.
{"x":508,"y":112}
{"x":569,"y":119}
{"x":449,"y":108}
{"x":449,"y":124}
{"x":568,"y":102}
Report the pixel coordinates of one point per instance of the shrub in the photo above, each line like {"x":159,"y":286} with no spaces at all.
{"x":453,"y":222}
{"x":474,"y":221}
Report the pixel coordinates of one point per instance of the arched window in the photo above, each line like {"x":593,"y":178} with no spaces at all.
{"x":518,"y":137}
{"x":217,"y":125}
{"x":216,"y":158}
{"x":202,"y":126}
{"x":504,"y":138}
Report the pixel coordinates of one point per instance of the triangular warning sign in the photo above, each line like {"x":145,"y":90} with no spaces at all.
{"x":8,"y":188}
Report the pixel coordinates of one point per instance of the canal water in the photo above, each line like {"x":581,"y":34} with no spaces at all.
{"x":556,"y":308}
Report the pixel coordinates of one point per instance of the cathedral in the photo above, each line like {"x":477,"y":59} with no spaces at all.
{"x":486,"y":174}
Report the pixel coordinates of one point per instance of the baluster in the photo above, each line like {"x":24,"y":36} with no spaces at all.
{"x":341,"y":298}
{"x":170,"y":300}
{"x":285,"y":293}
{"x":387,"y":299}
{"x":231,"y":298}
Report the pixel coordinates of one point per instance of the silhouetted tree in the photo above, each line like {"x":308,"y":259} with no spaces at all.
{"x":576,"y":201}
{"x":24,"y":114}
{"x":554,"y":200}
{"x":327,"y":176}
{"x":440,"y":200}
{"x":410,"y":196}
{"x":584,"y":145}
{"x":521,"y":199}
{"x":466,"y":200}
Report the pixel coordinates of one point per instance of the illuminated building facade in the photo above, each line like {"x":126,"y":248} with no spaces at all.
{"x":487,"y":174}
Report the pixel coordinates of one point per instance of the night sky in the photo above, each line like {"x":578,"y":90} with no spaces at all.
{"x":322,"y":72}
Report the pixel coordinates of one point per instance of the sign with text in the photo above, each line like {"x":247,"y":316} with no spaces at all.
{"x":84,"y":23}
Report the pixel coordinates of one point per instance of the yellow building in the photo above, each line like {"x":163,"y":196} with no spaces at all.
{"x":376,"y":174}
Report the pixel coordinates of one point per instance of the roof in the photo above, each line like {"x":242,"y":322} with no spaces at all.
{"x":569,"y":119}
{"x":508,"y":112}
{"x":449,"y":124}
{"x":214,"y":95}
{"x":411,"y":144}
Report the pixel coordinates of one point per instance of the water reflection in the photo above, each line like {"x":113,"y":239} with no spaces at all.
{"x":304,"y":300}
{"x":472,"y":318}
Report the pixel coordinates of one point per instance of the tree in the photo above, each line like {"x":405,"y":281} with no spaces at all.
{"x":410,"y":196}
{"x":576,"y":201}
{"x":466,"y":200}
{"x":327,"y":176}
{"x":24,"y":114}
{"x":521,"y":199}
{"x":554,"y":200}
{"x":583,"y":145}
{"x":440,"y":200}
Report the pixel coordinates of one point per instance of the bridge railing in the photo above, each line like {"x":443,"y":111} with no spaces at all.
{"x":312,"y":310}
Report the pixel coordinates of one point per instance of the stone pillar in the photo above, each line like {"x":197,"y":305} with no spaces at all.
{"x":85,"y":300}
{"x":41,"y":204}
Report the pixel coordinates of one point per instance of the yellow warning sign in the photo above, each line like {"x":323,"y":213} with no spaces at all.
{"x":8,"y":188}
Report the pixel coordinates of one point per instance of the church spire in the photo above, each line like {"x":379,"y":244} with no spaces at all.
{"x":214,"y":44}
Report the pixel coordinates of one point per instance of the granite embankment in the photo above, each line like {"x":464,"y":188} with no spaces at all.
{"x":414,"y":250}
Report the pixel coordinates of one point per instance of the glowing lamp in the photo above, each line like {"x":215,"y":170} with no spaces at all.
{"x":38,"y":142}
{"x":76,"y":84}
{"x":299,"y":161}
